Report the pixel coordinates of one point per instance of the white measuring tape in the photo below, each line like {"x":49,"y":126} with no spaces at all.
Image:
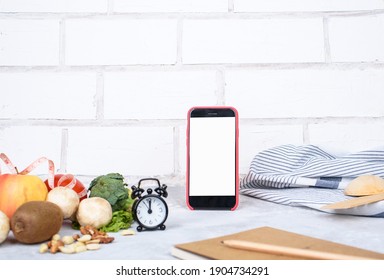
{"x":51,"y":172}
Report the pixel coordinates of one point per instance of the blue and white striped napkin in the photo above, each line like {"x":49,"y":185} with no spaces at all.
{"x":308,"y":176}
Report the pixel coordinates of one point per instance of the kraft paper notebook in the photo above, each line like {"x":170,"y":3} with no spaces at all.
{"x":214,"y":249}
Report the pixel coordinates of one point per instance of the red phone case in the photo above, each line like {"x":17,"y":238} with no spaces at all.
{"x":237,"y":151}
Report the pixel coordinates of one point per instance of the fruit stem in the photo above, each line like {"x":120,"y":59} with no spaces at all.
{"x":19,"y":227}
{"x":17,"y":171}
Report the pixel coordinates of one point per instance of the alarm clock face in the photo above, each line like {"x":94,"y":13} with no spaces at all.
{"x":151,"y":211}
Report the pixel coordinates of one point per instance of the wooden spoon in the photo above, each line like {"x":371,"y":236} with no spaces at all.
{"x":367,"y":188}
{"x":365,"y":185}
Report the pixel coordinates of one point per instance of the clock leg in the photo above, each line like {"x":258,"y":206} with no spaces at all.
{"x":139,"y":228}
{"x":162,"y":227}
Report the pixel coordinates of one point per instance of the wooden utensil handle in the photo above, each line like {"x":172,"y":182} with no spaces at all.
{"x":354,"y":202}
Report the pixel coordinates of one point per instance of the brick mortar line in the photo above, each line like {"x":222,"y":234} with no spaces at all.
{"x":196,"y":67}
{"x":182,"y":122}
{"x":62,"y":43}
{"x":99,"y":96}
{"x":64,"y":150}
{"x":231,"y":6}
{"x":327,"y":44}
{"x":91,"y":122}
{"x":306,"y":136}
{"x":179,"y":42}
{"x":312,"y":120}
{"x":171,"y":180}
{"x":176,"y":150}
{"x":220,"y":87}
{"x":187,"y":15}
{"x":110,"y":7}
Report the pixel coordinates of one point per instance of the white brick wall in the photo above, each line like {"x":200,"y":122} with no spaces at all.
{"x":306,"y":6}
{"x":25,"y":144}
{"x":306,"y":93}
{"x":104,"y":85}
{"x":253,"y":41}
{"x":120,"y":41}
{"x":342,"y":139}
{"x":151,"y":6}
{"x":133,"y":150}
{"x":44,"y":95}
{"x":256,"y":138}
{"x":29,"y":42}
{"x":56,"y":6}
{"x":357,"y":38}
{"x":153,"y":94}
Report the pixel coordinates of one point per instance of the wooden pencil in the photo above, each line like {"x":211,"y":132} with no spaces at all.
{"x":288,"y":251}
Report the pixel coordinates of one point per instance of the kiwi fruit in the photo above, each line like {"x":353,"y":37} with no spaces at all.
{"x":36,"y":221}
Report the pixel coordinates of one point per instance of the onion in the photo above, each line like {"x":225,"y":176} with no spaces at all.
{"x":4,"y":227}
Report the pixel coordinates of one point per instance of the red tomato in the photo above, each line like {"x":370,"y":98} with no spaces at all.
{"x":78,"y":188}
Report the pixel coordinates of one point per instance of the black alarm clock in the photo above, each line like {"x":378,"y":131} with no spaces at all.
{"x":150,"y":210}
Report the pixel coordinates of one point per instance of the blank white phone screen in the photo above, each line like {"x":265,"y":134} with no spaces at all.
{"x":212,"y":156}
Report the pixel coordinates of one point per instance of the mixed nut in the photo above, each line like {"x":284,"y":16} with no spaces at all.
{"x":90,"y":240}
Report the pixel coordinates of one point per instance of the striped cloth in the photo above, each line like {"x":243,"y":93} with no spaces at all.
{"x":308,"y":176}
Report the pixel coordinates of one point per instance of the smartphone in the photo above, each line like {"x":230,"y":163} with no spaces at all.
{"x":212,"y":158}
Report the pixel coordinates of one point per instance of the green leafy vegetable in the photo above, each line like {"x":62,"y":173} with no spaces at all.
{"x":76,"y":225}
{"x":120,"y":220}
{"x":112,"y":187}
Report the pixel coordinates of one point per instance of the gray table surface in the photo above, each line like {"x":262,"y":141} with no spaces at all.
{"x":184,"y":225}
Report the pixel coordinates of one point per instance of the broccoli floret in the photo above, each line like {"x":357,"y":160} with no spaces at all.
{"x":111,"y":187}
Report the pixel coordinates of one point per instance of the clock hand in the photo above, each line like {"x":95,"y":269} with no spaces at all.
{"x":150,"y":205}
{"x":146,"y":205}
